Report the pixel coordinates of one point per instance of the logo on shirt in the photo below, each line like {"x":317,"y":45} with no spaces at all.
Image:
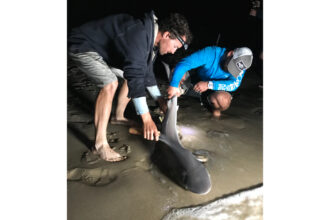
{"x":240,"y":65}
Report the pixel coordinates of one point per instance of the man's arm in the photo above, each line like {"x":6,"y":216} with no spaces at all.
{"x":192,"y":61}
{"x":150,"y":131}
{"x":229,"y":85}
{"x":134,"y":49}
{"x":155,"y":94}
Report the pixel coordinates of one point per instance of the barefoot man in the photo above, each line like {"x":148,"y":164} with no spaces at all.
{"x":125,"y":46}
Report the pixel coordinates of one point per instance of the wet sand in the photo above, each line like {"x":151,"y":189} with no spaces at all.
{"x":135,"y":188}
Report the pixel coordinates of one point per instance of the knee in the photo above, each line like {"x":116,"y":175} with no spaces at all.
{"x":223,"y":100}
{"x":214,"y":99}
{"x":111,"y":87}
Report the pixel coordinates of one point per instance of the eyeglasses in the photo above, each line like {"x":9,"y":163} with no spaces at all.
{"x":184,"y":44}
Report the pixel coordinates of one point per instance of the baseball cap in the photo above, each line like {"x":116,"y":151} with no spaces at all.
{"x":241,"y":60}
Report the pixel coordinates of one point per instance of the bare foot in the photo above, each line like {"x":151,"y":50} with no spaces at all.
{"x":122,"y":121}
{"x":107,"y":154}
{"x":135,"y":130}
{"x":216,"y":113}
{"x":138,"y":131}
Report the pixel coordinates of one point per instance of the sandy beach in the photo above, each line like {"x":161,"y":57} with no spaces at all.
{"x":135,"y":188}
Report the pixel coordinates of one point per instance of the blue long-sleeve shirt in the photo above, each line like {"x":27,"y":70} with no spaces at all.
{"x":207,"y":60}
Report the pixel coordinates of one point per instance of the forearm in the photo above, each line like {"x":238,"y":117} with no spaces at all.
{"x":181,"y":69}
{"x":146,"y":117}
{"x":229,"y":85}
{"x":178,"y":74}
{"x":224,"y":86}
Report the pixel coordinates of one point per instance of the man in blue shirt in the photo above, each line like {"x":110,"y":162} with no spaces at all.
{"x":219,"y":71}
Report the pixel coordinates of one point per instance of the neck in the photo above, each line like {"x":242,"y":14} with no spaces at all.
{"x":158,"y":38}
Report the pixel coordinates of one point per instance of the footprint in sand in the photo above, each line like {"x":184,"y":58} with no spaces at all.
{"x":75,"y":117}
{"x":113,"y":137}
{"x":216,"y":134}
{"x":139,"y":165}
{"x":123,"y":150}
{"x":225,"y":147}
{"x":231,"y":122}
{"x":89,"y":157}
{"x":257,"y":111}
{"x":92,"y":177}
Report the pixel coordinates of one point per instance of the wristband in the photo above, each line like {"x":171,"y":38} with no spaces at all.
{"x":210,"y":85}
{"x":154,"y":92}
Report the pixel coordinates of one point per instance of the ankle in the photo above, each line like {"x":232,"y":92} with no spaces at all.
{"x":100,"y":144}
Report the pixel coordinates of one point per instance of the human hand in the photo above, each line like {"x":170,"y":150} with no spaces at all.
{"x":162,"y":104}
{"x":150,"y":131}
{"x":173,"y":91}
{"x":201,"y":86}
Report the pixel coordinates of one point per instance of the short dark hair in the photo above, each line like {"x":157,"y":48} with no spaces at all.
{"x":176,"y":22}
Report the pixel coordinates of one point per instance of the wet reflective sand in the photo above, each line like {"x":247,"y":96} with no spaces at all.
{"x":135,"y":188}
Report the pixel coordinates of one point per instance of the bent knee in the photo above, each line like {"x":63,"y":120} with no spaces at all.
{"x":111,"y":87}
{"x":222,"y":100}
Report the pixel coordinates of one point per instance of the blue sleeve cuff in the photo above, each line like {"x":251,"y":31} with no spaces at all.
{"x":141,"y":106}
{"x":174,"y":84}
{"x":154,"y":92}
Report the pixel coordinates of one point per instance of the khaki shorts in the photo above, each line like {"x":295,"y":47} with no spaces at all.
{"x":93,"y":65}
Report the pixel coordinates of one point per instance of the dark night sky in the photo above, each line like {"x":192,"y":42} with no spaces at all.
{"x":229,"y":17}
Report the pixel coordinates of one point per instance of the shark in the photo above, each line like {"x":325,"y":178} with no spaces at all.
{"x":175,"y":161}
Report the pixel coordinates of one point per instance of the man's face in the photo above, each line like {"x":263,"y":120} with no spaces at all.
{"x":227,"y":60}
{"x":169,"y":45}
